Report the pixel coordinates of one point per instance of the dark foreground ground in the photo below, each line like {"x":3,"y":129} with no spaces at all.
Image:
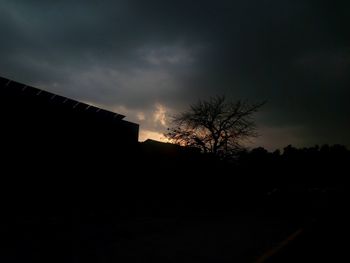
{"x":169,"y":239}
{"x":148,"y":208}
{"x":324,"y":239}
{"x":153,"y":227}
{"x":188,"y":239}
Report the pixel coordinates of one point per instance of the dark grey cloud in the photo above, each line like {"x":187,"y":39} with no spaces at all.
{"x":137,"y":55}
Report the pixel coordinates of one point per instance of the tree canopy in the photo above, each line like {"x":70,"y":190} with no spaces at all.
{"x":216,"y":126}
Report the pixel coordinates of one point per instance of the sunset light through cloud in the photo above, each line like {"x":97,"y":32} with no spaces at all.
{"x":160,"y":114}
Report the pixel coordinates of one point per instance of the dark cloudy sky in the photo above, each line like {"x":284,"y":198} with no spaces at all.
{"x":149,"y":59}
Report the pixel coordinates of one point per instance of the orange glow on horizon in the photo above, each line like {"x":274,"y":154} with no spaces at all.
{"x":153,"y":135}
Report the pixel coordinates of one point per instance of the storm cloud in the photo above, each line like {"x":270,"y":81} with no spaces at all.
{"x":149,"y":59}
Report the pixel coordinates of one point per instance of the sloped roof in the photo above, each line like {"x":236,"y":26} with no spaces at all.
{"x":60,"y":101}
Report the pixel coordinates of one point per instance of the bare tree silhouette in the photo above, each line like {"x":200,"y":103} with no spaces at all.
{"x":216,"y":126}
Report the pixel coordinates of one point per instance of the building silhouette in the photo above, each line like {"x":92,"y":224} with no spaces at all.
{"x":32,"y":118}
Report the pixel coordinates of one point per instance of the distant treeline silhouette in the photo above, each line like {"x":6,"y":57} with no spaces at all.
{"x":253,"y":172}
{"x":323,"y":165}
